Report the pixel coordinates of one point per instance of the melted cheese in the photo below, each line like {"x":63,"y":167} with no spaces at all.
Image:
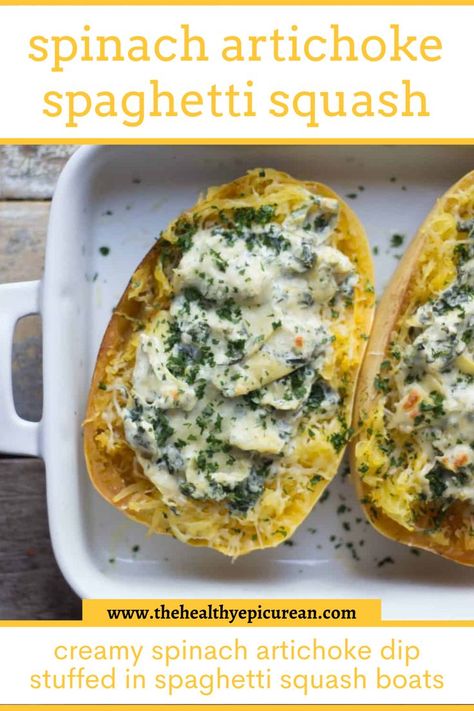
{"x":222,"y":381}
{"x":153,"y":382}
{"x":256,"y":509}
{"x":415,"y":454}
{"x":437,"y":394}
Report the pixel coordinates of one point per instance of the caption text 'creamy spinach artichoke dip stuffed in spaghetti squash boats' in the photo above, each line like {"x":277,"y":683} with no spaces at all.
{"x":414,"y":458}
{"x":222,"y":396}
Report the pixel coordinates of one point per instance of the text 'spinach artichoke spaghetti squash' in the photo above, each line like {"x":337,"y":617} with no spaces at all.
{"x":222,"y":396}
{"x":413,"y":458}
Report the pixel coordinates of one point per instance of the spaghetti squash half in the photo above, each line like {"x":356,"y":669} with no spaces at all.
{"x":221,"y":401}
{"x":413,"y":457}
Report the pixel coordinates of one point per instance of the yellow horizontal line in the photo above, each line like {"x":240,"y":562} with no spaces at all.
{"x":240,"y":2}
{"x":239,"y":141}
{"x":243,"y":707}
{"x":365,"y":625}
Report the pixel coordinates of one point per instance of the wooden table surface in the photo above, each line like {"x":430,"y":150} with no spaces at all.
{"x":31,"y":585}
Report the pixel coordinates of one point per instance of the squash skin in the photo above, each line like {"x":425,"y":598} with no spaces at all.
{"x":109,"y":479}
{"x":387,"y":318}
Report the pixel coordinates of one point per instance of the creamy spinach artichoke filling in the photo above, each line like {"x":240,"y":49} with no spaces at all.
{"x":435,"y":382}
{"x":226,"y":375}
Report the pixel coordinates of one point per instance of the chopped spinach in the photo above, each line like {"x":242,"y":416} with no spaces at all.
{"x":248,"y":216}
{"x":341,"y":438}
{"x":162,"y":429}
{"x":437,"y":480}
{"x":247,"y":493}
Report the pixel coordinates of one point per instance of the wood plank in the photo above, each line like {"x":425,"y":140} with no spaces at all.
{"x":23,"y":228}
{"x":31,"y":172}
{"x":31,"y":584}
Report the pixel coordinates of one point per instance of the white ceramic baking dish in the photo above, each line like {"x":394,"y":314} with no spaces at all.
{"x":120,"y":198}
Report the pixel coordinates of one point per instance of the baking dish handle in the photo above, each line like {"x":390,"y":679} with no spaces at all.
{"x":17,"y":436}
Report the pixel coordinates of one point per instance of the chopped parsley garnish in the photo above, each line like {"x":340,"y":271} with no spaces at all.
{"x":435,"y":406}
{"x":220,"y":263}
{"x":174,"y":335}
{"x":382,"y":384}
{"x":248,"y":216}
{"x":396,"y":240}
{"x":161,"y":428}
{"x":437,"y":480}
{"x":230,"y":311}
{"x":341,"y":438}
{"x":385,"y":561}
{"x":200,"y":388}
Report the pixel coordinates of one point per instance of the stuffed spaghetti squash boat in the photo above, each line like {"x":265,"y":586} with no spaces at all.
{"x":413,"y":458}
{"x":221,"y":401}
